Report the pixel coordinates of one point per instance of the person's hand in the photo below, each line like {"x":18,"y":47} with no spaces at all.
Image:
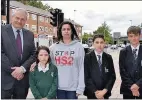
{"x":100,"y":93}
{"x":20,"y":77}
{"x":17,"y":73}
{"x":136,"y":93}
{"x":32,"y":67}
{"x":77,"y":94}
{"x":135,"y":90}
{"x":134,"y":87}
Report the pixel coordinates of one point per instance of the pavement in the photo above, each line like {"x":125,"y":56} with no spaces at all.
{"x":116,"y":88}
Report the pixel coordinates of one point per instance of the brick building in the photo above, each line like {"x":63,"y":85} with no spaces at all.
{"x":38,"y":20}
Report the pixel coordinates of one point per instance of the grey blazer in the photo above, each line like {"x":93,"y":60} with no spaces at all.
{"x":9,"y":56}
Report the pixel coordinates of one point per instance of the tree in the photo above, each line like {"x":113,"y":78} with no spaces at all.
{"x":105,"y":30}
{"x":85,"y":37}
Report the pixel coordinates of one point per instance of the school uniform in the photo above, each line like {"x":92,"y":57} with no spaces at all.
{"x":130,"y":64}
{"x":43,"y":82}
{"x":99,"y":74}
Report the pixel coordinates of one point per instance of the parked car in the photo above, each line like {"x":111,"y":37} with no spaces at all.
{"x":114,"y":47}
{"x":123,"y":46}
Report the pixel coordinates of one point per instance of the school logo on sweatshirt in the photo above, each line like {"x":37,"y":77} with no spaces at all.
{"x":52,"y":73}
{"x":64,"y":58}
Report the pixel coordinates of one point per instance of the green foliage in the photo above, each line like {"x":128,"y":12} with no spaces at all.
{"x":85,"y":37}
{"x":36,"y":3}
{"x":105,"y":30}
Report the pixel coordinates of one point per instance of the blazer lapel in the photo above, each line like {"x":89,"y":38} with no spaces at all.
{"x":12,"y":38}
{"x":130,"y":54}
{"x":104,"y":64}
{"x":139,"y":55}
{"x":24,"y":42}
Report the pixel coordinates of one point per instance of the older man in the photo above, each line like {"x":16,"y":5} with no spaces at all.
{"x":17,"y":54}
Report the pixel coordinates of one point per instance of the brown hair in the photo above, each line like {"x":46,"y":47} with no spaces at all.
{"x":98,"y":36}
{"x":134,"y":30}
{"x":42,"y":48}
{"x":73,"y":35}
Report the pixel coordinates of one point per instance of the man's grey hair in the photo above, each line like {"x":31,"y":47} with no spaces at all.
{"x":20,"y":9}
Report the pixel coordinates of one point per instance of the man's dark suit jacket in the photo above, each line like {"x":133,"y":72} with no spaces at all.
{"x":128,"y":74}
{"x":93,"y":79}
{"x":9,"y":56}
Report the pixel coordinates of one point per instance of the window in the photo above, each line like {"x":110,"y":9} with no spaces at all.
{"x":41,"y":19}
{"x":41,"y":28}
{"x":34,"y":17}
{"x":33,"y":28}
{"x":27,"y":26}
{"x":50,"y":30}
{"x":47,"y":20}
{"x":46,"y":29}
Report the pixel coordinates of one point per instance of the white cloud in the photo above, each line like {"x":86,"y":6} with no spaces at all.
{"x":91,"y":14}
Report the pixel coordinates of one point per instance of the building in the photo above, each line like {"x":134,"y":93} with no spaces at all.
{"x":38,"y":20}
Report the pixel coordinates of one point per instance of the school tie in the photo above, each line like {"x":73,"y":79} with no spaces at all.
{"x":135,"y":56}
{"x":99,"y":62}
{"x":19,"y":43}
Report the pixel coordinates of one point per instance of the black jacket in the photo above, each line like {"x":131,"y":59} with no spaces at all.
{"x":93,"y":79}
{"x":128,"y":74}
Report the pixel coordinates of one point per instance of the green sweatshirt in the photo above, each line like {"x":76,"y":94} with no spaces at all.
{"x":44,"y":85}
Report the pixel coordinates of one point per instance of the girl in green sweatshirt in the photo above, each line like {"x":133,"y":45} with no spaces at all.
{"x":43,"y":80}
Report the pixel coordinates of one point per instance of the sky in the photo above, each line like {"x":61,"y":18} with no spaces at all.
{"x":119,"y":15}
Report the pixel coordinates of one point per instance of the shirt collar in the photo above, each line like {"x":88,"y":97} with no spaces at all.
{"x":97,"y":53}
{"x":15,"y":29}
{"x":41,"y":69}
{"x":136,"y":47}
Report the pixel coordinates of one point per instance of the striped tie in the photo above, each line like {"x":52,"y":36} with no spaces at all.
{"x":135,"y":56}
{"x":99,"y":62}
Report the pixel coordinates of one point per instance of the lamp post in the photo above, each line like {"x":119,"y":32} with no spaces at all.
{"x":130,"y":22}
{"x":74,"y":17}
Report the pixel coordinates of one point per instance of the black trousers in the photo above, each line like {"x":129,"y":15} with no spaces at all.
{"x":131,"y":97}
{"x":17,"y":92}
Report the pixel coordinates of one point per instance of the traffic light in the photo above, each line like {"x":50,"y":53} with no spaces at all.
{"x":60,"y":18}
{"x":54,"y":18}
{"x":57,"y":17}
{"x":3,"y":7}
